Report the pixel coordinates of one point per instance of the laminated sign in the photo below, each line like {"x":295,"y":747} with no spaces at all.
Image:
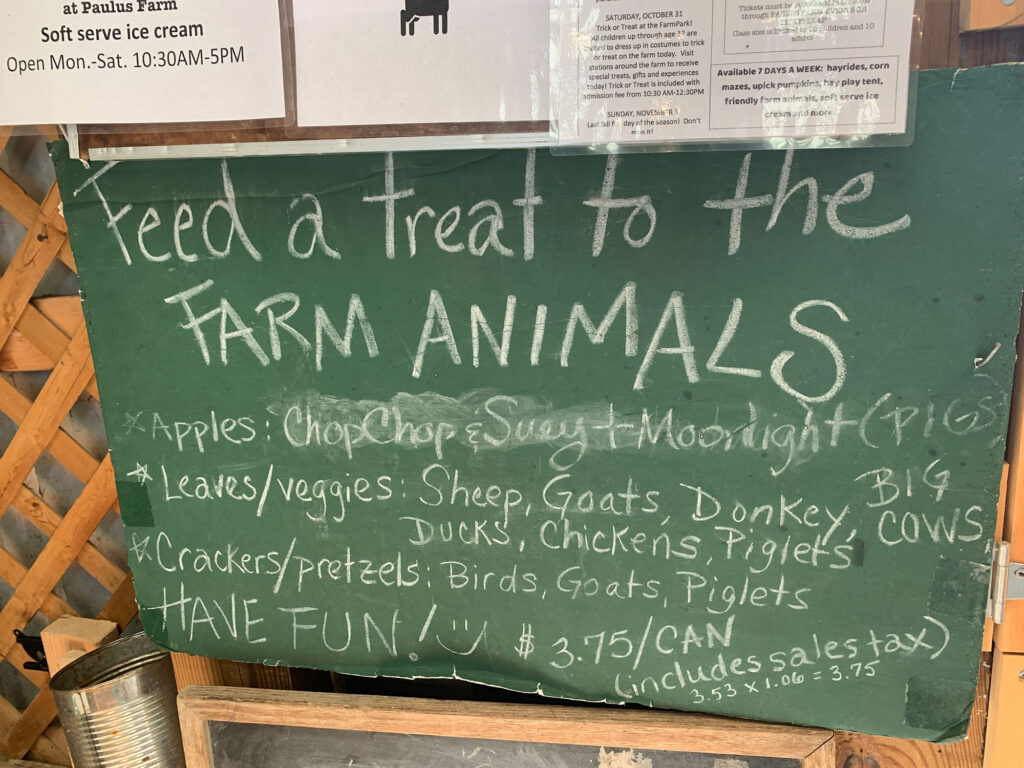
{"x":717,"y":432}
{"x":421,"y":61}
{"x":140,"y":61}
{"x":641,"y":71}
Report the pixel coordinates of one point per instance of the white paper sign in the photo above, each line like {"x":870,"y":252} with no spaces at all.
{"x":421,"y":61}
{"x":663,"y":71}
{"x":135,"y":61}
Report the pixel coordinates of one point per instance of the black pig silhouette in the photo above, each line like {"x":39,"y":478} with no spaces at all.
{"x":414,"y":9}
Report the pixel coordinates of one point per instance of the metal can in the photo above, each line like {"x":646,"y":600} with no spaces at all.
{"x":118,"y":706}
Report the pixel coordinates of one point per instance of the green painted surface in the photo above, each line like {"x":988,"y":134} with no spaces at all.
{"x":786,"y":517}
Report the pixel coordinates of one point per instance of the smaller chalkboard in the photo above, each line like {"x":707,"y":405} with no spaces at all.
{"x":246,"y":728}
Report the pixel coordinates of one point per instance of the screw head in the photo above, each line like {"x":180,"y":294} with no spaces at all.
{"x":1019,"y":573}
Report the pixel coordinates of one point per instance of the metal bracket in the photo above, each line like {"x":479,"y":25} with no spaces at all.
{"x":1007,"y":582}
{"x":33,"y":645}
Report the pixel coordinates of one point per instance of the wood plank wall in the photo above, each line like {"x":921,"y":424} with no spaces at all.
{"x":48,"y":334}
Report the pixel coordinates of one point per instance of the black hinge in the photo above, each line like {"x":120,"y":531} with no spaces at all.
{"x":33,"y":645}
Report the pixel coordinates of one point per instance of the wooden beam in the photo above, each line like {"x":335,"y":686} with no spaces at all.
{"x":62,"y":446}
{"x":44,"y":418}
{"x":859,"y":750}
{"x":195,"y":670}
{"x":65,"y":312}
{"x":17,"y":659}
{"x":40,"y":330}
{"x":33,"y":721}
{"x":16,"y":202}
{"x":32,"y":731}
{"x":39,"y":513}
{"x":200,"y":670}
{"x":1004,"y":739}
{"x":940,"y":46}
{"x":547,"y":724}
{"x":34,"y":589}
{"x":13,"y":572}
{"x":43,"y":749}
{"x":73,"y":633}
{"x":121,"y":607}
{"x":64,"y":635}
{"x":101,"y":136}
{"x":35,"y":254}
{"x":20,"y":354}
{"x":990,"y":14}
{"x":1009,"y":636}
{"x":79,"y":523}
{"x":55,"y":733}
{"x":50,"y":338}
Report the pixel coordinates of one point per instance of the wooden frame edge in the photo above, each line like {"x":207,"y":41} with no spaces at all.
{"x":195,"y":735}
{"x":1004,"y":740}
{"x":824,"y":756}
{"x":536,"y":723}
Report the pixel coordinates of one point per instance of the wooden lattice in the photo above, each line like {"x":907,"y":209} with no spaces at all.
{"x":47,"y":334}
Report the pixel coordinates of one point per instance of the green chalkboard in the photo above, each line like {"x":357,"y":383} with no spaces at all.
{"x":709,"y":431}
{"x":251,"y":745}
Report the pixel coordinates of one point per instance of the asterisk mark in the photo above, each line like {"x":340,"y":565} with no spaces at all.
{"x":140,"y":473}
{"x":131,"y":422}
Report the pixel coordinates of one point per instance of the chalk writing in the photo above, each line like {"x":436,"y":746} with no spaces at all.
{"x":699,"y":432}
